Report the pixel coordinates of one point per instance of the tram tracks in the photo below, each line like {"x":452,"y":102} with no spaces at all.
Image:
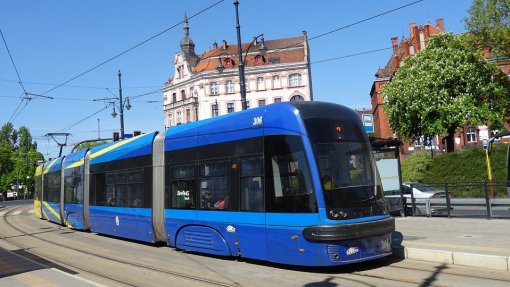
{"x":385,"y":271}
{"x":71,"y":264}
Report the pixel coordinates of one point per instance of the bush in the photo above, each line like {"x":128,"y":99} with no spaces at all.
{"x":415,"y":165}
{"x":458,"y":169}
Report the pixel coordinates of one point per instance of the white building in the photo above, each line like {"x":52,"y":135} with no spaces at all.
{"x":198,"y":90}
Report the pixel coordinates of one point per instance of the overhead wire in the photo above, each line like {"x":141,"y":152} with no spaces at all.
{"x":80,"y":121}
{"x":350,"y":25}
{"x":132,"y":48}
{"x":20,"y":82}
{"x":351,"y":55}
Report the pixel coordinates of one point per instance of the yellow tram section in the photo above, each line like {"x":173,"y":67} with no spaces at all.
{"x":37,"y":194}
{"x":45,"y":204}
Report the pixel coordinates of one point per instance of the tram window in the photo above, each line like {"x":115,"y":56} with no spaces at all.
{"x":73,"y":185}
{"x":288,"y":181}
{"x":52,"y":187}
{"x":68,"y":189}
{"x":252,"y":193}
{"x":214,"y":185}
{"x":135,"y":185}
{"x":183,"y":186}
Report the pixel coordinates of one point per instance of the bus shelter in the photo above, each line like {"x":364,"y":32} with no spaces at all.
{"x":387,"y":156}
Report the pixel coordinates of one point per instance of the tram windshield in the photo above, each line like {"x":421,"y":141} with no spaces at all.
{"x":349,"y":178}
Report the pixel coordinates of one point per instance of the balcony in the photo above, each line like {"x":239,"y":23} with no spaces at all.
{"x":188,"y":101}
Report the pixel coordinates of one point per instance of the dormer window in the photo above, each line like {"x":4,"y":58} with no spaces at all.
{"x":259,"y":60}
{"x":229,"y":63}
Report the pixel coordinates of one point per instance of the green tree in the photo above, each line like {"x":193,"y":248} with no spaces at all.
{"x":18,"y":152}
{"x":446,"y":86}
{"x":489,"y":25}
{"x":89,"y":145}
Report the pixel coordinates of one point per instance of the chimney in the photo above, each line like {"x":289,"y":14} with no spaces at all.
{"x":440,"y":24}
{"x":215,"y":45}
{"x":411,"y":30}
{"x":394,"y":43}
{"x":224,"y":45}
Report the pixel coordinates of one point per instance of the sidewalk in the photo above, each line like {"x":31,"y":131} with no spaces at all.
{"x":479,"y":243}
{"x":17,"y":270}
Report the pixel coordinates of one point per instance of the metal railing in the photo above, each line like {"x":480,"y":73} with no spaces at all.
{"x":473,"y":199}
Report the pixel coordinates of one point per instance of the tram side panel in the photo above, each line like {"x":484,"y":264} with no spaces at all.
{"x":38,"y":191}
{"x":51,"y":204}
{"x":74,"y":188}
{"x":121,"y":189}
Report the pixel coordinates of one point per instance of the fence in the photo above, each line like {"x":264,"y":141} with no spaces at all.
{"x":474,"y":199}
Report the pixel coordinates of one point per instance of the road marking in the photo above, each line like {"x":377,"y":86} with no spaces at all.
{"x":17,"y":212}
{"x":79,"y":278}
{"x":2,"y":213}
{"x":31,"y":211}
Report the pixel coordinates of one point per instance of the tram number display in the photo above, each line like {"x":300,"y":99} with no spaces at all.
{"x":183,"y":193}
{"x":257,"y":121}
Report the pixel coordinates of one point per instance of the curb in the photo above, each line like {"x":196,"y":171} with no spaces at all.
{"x":455,"y":258}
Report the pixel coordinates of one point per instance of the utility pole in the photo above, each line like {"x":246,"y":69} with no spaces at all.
{"x":121,"y":108}
{"x":98,"y":130}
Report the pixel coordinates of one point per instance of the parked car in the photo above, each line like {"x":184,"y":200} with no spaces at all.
{"x":421,"y":190}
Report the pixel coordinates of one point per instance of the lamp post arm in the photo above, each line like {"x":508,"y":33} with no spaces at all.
{"x":249,"y":47}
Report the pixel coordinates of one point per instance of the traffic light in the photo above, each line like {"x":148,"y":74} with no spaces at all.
{"x":115,"y":136}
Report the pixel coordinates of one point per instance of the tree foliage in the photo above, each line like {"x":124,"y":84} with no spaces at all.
{"x":489,"y":25}
{"x":18,"y":152}
{"x":415,"y":165}
{"x":89,"y":145}
{"x":446,"y":86}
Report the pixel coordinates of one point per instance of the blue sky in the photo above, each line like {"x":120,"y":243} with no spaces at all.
{"x":53,"y":41}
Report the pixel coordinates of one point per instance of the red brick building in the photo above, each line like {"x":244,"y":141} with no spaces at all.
{"x":417,"y":41}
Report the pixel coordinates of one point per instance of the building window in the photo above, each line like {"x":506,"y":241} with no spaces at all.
{"x":169,"y":120}
{"x":230,"y":108}
{"x":295,"y":80}
{"x":174,"y":97}
{"x":229,"y":87}
{"x":229,"y":63}
{"x":276,"y":82}
{"x":247,"y":85}
{"x":247,"y":104}
{"x":188,"y":115}
{"x":261,"y":85}
{"x":259,"y":60}
{"x":183,"y":95}
{"x":471,"y":135}
{"x":297,"y":98}
{"x":277,"y":100}
{"x":411,"y":50}
{"x":179,"y":118}
{"x":214,"y":88}
{"x":262,"y":103}
{"x":214,"y":110}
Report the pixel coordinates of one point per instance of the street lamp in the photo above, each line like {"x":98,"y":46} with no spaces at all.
{"x":262,"y":49}
{"x":121,"y":105}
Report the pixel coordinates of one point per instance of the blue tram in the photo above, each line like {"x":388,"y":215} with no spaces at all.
{"x":291,"y":183}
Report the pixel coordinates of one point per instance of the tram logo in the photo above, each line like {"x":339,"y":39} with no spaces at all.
{"x":117,"y":220}
{"x":231,"y":229}
{"x":385,"y":245}
{"x":351,"y":251}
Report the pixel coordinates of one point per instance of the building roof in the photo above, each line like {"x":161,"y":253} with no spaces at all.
{"x":287,"y":50}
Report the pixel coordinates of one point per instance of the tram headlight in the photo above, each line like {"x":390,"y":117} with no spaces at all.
{"x":334,"y":214}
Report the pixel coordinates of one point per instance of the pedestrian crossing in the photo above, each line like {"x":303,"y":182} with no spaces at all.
{"x":17,"y":212}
